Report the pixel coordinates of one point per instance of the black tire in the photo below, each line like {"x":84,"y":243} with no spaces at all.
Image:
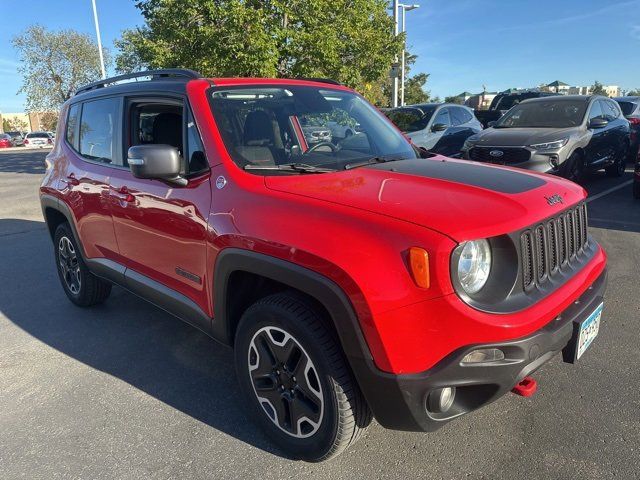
{"x":81,"y":286}
{"x":636,"y":190}
{"x":618,"y":167}
{"x":337,"y":411}
{"x":573,"y":167}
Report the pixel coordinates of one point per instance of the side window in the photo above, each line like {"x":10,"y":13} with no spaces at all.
{"x":156,"y":122}
{"x":442,"y":117}
{"x":72,"y":123}
{"x":196,"y":159}
{"x":596,"y":110}
{"x":611,"y":110}
{"x":98,"y":123}
{"x":459,"y":116}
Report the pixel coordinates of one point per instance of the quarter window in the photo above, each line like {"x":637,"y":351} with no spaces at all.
{"x":196,"y":159}
{"x":72,"y":123}
{"x":98,"y":124}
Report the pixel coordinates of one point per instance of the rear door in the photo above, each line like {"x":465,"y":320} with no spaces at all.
{"x":89,"y":157}
{"x":161,"y":227}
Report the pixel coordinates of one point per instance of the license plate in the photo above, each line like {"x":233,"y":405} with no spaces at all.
{"x":588,"y":331}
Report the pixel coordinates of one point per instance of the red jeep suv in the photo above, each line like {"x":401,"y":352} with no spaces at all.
{"x":354,"y":277}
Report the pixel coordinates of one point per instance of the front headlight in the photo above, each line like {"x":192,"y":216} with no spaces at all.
{"x":550,"y":145}
{"x":474,"y":265}
{"x":468,"y":143}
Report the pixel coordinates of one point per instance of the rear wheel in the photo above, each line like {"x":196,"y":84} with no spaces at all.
{"x":81,"y":286}
{"x":296,"y":381}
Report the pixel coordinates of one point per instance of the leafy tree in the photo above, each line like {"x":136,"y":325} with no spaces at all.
{"x":54,"y":65}
{"x":14,"y":124}
{"x":458,"y":100}
{"x":634,"y":93}
{"x":598,"y":89}
{"x":49,"y":121}
{"x":350,"y":41}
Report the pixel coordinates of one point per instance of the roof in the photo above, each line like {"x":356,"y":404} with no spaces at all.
{"x":558,"y":83}
{"x":563,"y":98}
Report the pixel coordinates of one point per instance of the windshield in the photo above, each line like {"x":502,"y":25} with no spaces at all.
{"x":411,"y":119}
{"x":544,"y":114}
{"x":38,"y":135}
{"x":268,"y":126}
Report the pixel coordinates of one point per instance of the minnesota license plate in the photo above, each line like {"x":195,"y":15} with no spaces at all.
{"x":588,"y":331}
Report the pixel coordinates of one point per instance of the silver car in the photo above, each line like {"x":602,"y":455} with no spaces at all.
{"x":439,"y":127}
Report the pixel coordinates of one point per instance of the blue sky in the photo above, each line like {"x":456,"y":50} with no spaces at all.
{"x":463,"y":44}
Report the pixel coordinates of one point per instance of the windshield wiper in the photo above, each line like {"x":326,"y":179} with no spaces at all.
{"x":370,"y":161}
{"x":291,"y":167}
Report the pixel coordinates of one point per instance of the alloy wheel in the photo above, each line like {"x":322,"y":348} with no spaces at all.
{"x":69,"y":265}
{"x":286,"y":382}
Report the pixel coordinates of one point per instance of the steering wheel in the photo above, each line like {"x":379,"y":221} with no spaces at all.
{"x":322,"y":144}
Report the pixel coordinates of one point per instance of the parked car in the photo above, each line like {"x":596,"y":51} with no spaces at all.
{"x":630,"y":107}
{"x":368,"y":280}
{"x":16,"y":137}
{"x":38,"y":140}
{"x":439,"y":127}
{"x":315,"y":134}
{"x":5,"y":141}
{"x":564,"y":135}
{"x":502,"y":102}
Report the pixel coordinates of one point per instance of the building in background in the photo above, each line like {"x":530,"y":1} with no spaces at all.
{"x":480,"y":101}
{"x":558,"y":87}
{"x":33,"y":121}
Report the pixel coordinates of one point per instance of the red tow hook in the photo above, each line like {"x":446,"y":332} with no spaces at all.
{"x":526,"y":388}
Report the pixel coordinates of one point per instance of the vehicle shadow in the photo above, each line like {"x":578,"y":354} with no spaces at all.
{"x":23,"y":161}
{"x":125,"y":337}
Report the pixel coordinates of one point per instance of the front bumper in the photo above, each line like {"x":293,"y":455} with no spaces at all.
{"x":399,"y":401}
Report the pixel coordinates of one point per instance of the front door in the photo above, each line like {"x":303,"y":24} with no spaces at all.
{"x":161,"y":228}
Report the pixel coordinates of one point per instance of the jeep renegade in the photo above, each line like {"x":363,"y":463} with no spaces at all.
{"x":356,"y":277}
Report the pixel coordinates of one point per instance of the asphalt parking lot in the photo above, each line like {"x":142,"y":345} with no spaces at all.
{"x":126,"y":391}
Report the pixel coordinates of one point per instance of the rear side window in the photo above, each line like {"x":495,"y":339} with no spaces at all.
{"x":459,"y":116}
{"x":72,"y":125}
{"x":98,"y":124}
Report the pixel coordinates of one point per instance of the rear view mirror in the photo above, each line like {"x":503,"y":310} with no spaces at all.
{"x":598,"y":122}
{"x":159,"y":162}
{"x":439,"y":127}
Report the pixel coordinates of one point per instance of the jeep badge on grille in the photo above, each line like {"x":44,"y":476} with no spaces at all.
{"x":554,"y":199}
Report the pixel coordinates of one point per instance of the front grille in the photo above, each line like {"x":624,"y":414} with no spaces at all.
{"x":548,"y":248}
{"x":509,"y":154}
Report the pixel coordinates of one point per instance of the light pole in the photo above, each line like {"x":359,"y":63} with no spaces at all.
{"x":394,"y":92}
{"x":95,"y":19}
{"x":405,"y":8}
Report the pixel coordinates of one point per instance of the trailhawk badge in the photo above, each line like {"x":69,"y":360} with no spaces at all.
{"x":554,"y":199}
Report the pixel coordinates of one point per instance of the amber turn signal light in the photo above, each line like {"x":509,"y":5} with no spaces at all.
{"x":419,"y":265}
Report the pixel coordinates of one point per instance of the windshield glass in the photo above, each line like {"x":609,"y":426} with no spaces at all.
{"x":411,"y":119}
{"x":544,"y":114}
{"x":269,"y":126}
{"x":38,"y":135}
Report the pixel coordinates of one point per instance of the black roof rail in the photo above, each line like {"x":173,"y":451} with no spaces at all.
{"x":154,"y":74}
{"x":320,"y":80}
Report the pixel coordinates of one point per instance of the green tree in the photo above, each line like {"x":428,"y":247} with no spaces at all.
{"x":598,"y":89}
{"x":13,"y":124}
{"x":458,"y":100}
{"x":634,"y":93}
{"x":350,"y":41}
{"x":54,"y":65}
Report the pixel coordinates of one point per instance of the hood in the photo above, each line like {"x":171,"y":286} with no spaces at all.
{"x":463,"y":200}
{"x":517,"y":137}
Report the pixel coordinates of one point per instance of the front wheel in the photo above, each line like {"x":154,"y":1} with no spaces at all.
{"x":618,"y":167}
{"x":295,"y":379}
{"x":573,"y":168}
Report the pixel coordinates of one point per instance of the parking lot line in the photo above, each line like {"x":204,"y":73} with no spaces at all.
{"x":610,"y":190}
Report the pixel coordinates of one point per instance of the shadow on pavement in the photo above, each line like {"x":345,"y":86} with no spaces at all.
{"x":616,"y":210}
{"x":125,"y":337}
{"x":23,"y":161}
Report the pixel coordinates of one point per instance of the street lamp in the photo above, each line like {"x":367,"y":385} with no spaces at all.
{"x":405,"y":8}
{"x":95,"y":19}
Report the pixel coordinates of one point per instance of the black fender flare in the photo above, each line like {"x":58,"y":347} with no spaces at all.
{"x":317,"y":286}
{"x":50,"y":202}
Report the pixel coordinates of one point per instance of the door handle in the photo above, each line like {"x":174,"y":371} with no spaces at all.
{"x":71,"y":180}
{"x":123,"y":194}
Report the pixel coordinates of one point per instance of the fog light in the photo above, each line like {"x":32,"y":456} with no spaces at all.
{"x":483,"y":355}
{"x":440,"y":400}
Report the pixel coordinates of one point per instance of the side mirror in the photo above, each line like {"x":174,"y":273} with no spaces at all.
{"x":598,"y":122}
{"x":439,"y":127}
{"x":492,"y":123}
{"x":159,"y":162}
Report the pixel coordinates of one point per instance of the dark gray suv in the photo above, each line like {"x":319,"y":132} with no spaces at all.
{"x":564,"y":135}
